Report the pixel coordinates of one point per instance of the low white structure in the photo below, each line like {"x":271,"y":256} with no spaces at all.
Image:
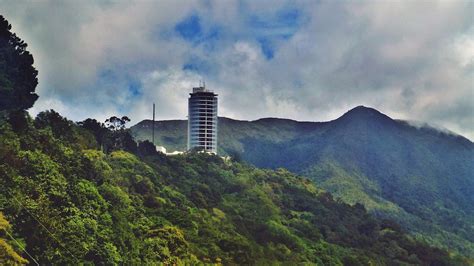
{"x":163,"y":150}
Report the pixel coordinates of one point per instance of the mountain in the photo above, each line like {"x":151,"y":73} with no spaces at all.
{"x":87,"y":194}
{"x":419,"y":176}
{"x":64,"y":201}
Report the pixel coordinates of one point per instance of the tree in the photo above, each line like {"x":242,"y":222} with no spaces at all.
{"x":114,"y":123}
{"x":119,"y":137}
{"x":18,"y":77}
{"x":8,"y":256}
{"x":146,"y":148}
{"x":61,"y":127}
{"x":96,"y":128}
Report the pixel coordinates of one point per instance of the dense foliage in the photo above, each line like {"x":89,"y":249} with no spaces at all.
{"x":71,"y":203}
{"x":8,"y":255}
{"x":421,"y":177}
{"x":17,"y":74}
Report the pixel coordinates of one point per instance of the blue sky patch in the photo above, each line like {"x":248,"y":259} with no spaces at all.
{"x":135,"y":88}
{"x":269,"y":29}
{"x":190,"y":28}
{"x":198,"y":65}
{"x":289,"y":17}
{"x":267,"y":47}
{"x":283,"y":22}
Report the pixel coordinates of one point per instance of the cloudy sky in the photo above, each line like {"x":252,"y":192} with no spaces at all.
{"x":305,"y":60}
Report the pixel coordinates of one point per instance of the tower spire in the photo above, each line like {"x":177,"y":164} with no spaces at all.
{"x":153,"y":126}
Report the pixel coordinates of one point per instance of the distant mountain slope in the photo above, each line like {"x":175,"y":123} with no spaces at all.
{"x":169,"y":133}
{"x":422,"y":177}
{"x":233,"y":134}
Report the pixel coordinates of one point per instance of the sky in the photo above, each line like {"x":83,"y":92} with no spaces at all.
{"x":303,"y":60}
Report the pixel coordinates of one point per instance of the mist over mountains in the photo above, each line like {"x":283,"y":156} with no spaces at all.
{"x":420,"y":176}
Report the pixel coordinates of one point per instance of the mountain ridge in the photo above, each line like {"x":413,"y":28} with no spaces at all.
{"x":358,"y":111}
{"x":420,"y":175}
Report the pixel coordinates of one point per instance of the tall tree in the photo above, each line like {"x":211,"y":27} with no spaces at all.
{"x":120,"y":137}
{"x":18,"y":77}
{"x":96,"y":128}
{"x":114,"y":123}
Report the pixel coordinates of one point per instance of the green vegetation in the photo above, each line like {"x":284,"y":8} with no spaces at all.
{"x":8,"y":256}
{"x":71,"y":203}
{"x":86,"y":193}
{"x":420,"y":177}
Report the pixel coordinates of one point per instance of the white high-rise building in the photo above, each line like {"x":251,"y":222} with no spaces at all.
{"x":202,"y":120}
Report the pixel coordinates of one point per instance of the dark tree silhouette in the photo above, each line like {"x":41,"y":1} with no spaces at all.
{"x":114,"y":123}
{"x":146,"y":148}
{"x":60,"y":126}
{"x":96,"y":128}
{"x":18,"y":77}
{"x":119,"y":137}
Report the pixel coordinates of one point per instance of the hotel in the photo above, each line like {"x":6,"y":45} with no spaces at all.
{"x":202,"y":120}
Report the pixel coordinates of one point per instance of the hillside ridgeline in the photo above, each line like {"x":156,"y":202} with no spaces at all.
{"x":68,"y":203}
{"x":419,"y":176}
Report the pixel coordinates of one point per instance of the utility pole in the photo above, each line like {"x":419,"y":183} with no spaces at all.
{"x":153,"y":126}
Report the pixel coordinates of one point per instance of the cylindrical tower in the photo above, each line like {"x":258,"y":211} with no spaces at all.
{"x":202,"y":120}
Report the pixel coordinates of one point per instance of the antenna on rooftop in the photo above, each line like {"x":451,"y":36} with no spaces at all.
{"x":153,"y":126}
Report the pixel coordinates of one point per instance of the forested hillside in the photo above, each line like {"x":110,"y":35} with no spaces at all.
{"x":419,"y":176}
{"x":68,"y":203}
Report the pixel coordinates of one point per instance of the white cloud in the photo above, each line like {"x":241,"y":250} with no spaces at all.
{"x":169,"y":89}
{"x":411,"y":60}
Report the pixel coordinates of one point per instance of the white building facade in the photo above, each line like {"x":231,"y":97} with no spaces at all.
{"x":202,"y":120}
